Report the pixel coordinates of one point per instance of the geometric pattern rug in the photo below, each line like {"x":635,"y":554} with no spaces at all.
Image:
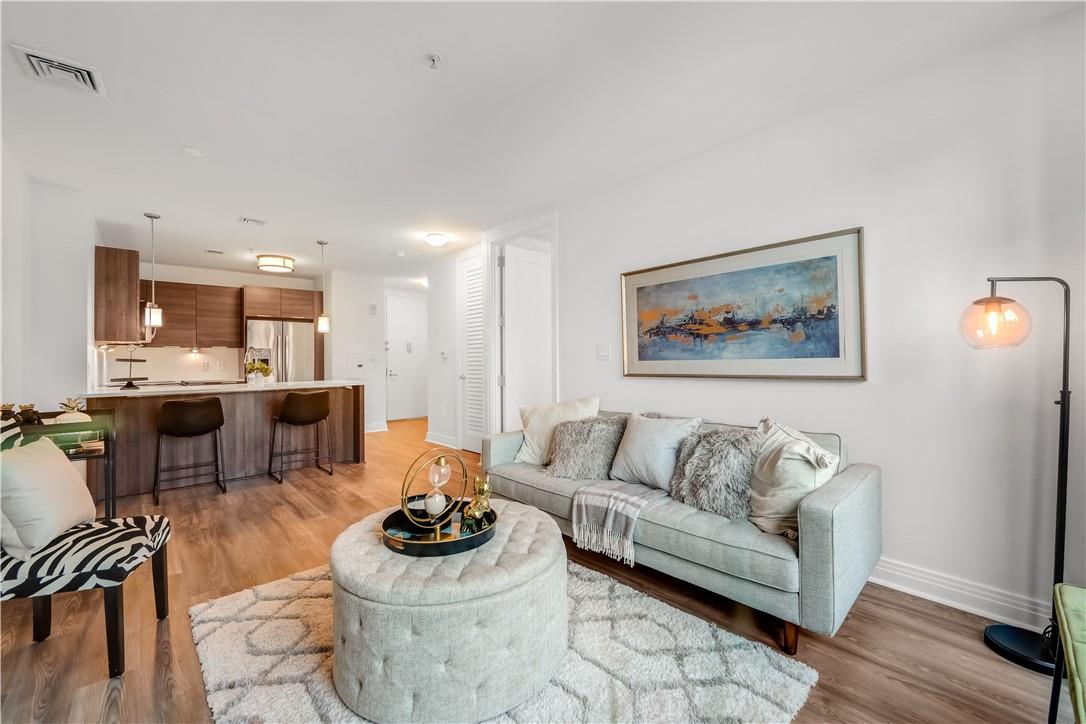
{"x":266,"y":655}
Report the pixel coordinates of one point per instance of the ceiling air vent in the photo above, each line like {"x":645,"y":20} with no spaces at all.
{"x":250,"y":220}
{"x":214,"y":251}
{"x":60,"y":71}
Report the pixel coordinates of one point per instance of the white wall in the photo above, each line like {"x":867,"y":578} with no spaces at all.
{"x":16,"y":221}
{"x":220,"y":277}
{"x":957,"y":172}
{"x":356,"y":306}
{"x":47,"y":266}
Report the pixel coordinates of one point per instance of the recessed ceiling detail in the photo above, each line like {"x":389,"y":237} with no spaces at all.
{"x":60,"y":71}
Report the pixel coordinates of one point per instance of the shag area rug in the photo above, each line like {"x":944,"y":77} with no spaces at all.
{"x":266,"y":655}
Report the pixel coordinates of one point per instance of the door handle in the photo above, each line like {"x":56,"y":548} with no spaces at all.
{"x":392,"y":374}
{"x":463,"y":377}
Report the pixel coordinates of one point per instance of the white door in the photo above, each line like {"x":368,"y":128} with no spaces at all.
{"x":472,"y":359}
{"x":405,"y":322}
{"x":526,"y":332}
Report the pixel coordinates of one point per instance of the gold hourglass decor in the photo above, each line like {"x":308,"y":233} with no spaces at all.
{"x":441,"y":520}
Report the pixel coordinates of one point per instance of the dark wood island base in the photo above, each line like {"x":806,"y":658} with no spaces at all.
{"x":246,"y":434}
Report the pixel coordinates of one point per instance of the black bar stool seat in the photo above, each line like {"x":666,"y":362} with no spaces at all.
{"x":302,"y":409}
{"x":190,"y":418}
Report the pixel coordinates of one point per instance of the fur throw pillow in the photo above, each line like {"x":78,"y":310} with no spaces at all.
{"x":714,"y":469}
{"x":584,"y":449}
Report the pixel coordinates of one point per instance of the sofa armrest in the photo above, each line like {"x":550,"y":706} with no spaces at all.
{"x":840,"y":541}
{"x":501,"y":449}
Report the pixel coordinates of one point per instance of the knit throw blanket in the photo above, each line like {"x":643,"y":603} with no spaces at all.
{"x":604,"y":516}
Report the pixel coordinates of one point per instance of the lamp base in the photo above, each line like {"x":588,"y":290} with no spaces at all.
{"x":1020,"y":646}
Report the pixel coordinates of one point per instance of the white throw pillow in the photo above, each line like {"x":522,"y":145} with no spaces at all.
{"x":41,"y":496}
{"x":790,"y":465}
{"x":650,"y":448}
{"x":539,"y":422}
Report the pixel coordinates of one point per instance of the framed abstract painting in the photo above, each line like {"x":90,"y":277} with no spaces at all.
{"x":791,"y":310}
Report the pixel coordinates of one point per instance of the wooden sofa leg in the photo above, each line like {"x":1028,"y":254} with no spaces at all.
{"x":789,"y":637}
{"x":42,"y":614}
{"x":114,"y":605}
{"x":160,"y":575}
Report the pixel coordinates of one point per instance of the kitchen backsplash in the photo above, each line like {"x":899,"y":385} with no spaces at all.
{"x":174,"y":364}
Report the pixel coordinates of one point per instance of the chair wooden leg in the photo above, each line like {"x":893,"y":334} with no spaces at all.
{"x":114,"y":605}
{"x":158,"y":465}
{"x":161,"y":580}
{"x":43,"y":617}
{"x":328,"y":444}
{"x":331,"y":448}
{"x":220,"y":465}
{"x":789,"y":637}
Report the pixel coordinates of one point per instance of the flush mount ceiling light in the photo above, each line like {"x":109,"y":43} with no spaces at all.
{"x":277,"y":263}
{"x":435,"y":239}
{"x":196,"y":152}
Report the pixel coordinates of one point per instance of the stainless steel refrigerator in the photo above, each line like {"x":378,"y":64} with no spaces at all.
{"x":288,"y":347}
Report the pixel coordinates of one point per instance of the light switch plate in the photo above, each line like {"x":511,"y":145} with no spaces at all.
{"x":603,"y":352}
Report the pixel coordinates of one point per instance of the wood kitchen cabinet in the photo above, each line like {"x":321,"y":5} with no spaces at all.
{"x":218,"y":316}
{"x":178,"y":302}
{"x":297,"y":304}
{"x":117,"y":307}
{"x":262,"y":301}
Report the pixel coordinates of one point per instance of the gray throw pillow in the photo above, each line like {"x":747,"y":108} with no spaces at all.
{"x":584,"y":449}
{"x":649,"y":448}
{"x":714,"y":470}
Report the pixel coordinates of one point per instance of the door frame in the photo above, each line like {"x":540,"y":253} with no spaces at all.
{"x":395,"y":292}
{"x":493,"y":242}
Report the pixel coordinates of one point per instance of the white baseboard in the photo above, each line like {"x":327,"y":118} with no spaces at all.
{"x":437,"y":438}
{"x":377,"y":427}
{"x":993,"y":603}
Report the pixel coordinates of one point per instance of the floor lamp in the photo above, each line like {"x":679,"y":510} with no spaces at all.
{"x":992,"y":322}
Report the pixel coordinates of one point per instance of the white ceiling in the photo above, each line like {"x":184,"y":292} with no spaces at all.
{"x":326,"y":120}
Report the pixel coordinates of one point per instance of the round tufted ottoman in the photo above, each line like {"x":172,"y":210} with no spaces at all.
{"x":460,"y":638}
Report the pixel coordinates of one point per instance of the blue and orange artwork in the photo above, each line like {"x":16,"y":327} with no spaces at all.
{"x":781,"y":311}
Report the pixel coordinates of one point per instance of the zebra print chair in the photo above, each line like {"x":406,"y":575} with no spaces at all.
{"x":101,"y":554}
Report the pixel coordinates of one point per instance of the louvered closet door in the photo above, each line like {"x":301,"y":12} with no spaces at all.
{"x":470,"y":291}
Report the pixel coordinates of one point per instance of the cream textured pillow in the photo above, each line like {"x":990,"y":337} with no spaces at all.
{"x":789,"y":466}
{"x":41,"y":496}
{"x":539,"y":422}
{"x":650,"y":448}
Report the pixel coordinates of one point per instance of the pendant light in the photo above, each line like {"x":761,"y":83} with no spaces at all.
{"x":323,"y":323}
{"x":152,"y":313}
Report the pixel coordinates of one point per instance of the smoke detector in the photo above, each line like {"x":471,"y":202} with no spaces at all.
{"x":60,"y":71}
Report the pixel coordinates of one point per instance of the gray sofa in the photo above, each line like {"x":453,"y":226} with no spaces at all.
{"x":809,"y":583}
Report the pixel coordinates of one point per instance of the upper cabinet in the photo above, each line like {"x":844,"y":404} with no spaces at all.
{"x":116,"y":295}
{"x":297,"y":304}
{"x":178,"y":302}
{"x":218,"y":316}
{"x":276,"y":303}
{"x":262,"y":301}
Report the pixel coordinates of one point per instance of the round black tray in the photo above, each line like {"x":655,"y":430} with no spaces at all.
{"x":403,"y":536}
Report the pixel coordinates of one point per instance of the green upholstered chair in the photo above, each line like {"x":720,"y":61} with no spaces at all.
{"x":1070,"y":603}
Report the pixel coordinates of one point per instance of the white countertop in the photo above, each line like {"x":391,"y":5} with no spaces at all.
{"x":161,"y":390}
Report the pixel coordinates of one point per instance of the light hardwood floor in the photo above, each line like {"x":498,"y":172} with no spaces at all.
{"x":896,"y":659}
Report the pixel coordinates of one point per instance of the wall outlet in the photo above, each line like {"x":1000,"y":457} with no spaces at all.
{"x":603,"y":352}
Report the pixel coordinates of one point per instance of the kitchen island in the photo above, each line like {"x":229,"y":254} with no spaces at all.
{"x":246,"y":433}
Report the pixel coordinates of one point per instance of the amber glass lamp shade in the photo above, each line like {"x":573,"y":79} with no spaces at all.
{"x":995,"y":322}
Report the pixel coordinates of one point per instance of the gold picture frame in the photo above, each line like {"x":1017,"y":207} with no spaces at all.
{"x":788,"y":310}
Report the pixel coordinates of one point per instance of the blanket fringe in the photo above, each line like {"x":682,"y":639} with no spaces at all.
{"x":600,"y":540}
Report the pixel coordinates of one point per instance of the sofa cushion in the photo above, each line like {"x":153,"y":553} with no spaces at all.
{"x":737,"y":548}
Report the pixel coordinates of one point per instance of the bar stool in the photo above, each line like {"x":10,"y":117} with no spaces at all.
{"x":301,"y":409}
{"x":190,"y":418}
